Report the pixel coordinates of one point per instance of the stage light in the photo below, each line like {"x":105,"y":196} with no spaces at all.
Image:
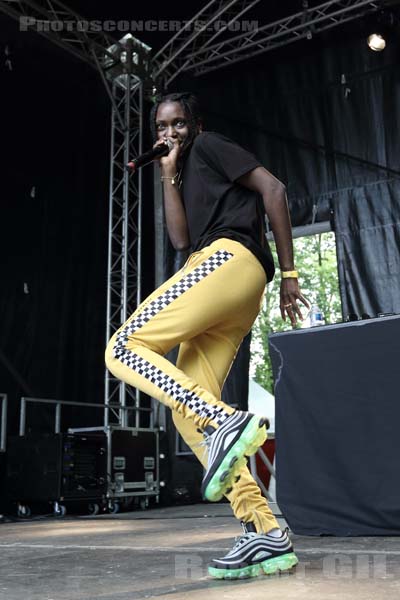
{"x":376,"y":42}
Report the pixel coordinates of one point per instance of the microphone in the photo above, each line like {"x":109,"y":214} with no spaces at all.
{"x":150,"y":155}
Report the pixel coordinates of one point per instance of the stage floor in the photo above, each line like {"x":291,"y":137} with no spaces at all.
{"x":164,"y":552}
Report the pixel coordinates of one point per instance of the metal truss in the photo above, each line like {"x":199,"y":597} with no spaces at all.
{"x":124,"y":237}
{"x":197,"y":34}
{"x":298,"y":26}
{"x":44,"y":17}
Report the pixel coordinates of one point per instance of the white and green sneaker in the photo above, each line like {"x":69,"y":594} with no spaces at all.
{"x":240,"y":435}
{"x":254,"y":554}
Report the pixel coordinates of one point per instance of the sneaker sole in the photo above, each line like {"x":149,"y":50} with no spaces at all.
{"x":272,"y":566}
{"x":224,"y":478}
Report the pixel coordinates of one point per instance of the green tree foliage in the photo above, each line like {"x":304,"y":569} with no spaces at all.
{"x":315,"y":259}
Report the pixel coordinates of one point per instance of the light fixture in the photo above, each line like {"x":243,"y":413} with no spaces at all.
{"x":376,"y":42}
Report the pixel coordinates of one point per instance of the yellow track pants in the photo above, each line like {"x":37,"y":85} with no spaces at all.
{"x":207,"y":308}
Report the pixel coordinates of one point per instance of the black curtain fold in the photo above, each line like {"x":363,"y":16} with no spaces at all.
{"x":367,"y":224}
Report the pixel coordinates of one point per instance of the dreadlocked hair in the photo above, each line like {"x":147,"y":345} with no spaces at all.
{"x":191,"y":108}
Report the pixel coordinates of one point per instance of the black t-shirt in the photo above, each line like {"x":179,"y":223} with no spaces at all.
{"x":215,"y":205}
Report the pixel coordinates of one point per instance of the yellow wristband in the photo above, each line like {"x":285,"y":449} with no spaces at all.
{"x":288,"y":274}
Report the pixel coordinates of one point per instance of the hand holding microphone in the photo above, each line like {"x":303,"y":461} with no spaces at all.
{"x":168,"y":163}
{"x":160,"y":149}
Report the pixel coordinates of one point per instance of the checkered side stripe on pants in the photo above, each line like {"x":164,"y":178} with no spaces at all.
{"x":208,"y":266}
{"x":168,"y":385}
{"x":148,"y":370}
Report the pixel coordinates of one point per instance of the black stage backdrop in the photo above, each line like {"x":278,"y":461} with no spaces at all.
{"x":320,"y":136}
{"x":53,"y":230}
{"x":368,"y":240}
{"x":309,"y":112}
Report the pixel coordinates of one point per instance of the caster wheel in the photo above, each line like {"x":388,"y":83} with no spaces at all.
{"x":23,"y":511}
{"x":93,"y":508}
{"x":113,"y":508}
{"x":59,"y":510}
{"x":144,"y":503}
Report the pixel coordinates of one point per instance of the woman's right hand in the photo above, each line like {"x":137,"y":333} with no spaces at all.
{"x":168,"y":163}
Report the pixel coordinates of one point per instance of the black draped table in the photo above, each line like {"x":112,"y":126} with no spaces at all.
{"x":337,"y":427}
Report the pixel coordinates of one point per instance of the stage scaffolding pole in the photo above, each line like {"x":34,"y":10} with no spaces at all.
{"x":125,"y":214}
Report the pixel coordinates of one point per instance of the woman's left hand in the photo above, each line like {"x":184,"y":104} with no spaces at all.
{"x":290,"y":294}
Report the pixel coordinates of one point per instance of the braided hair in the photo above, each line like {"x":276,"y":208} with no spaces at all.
{"x":191,"y":109}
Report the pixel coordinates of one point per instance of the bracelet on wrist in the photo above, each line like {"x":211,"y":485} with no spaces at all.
{"x":173,"y":179}
{"x":289,"y":274}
